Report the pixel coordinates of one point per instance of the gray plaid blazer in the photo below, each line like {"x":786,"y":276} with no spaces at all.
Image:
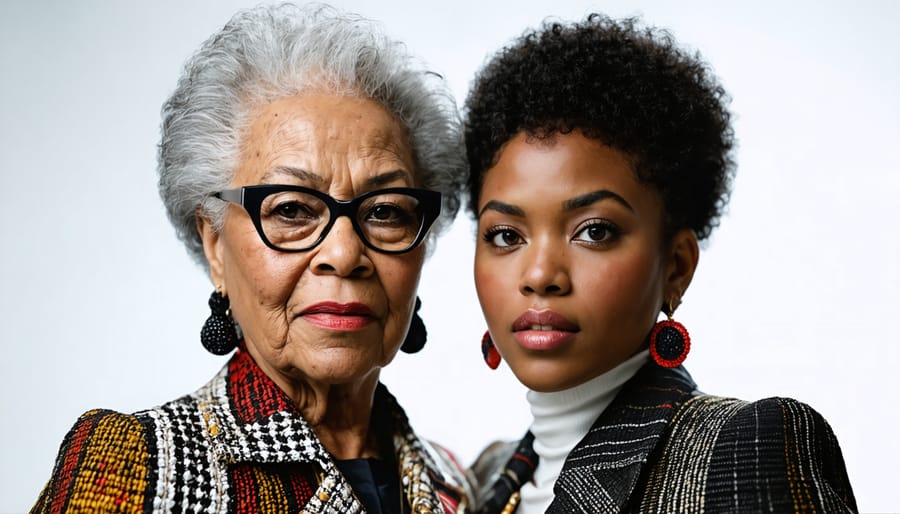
{"x":662,"y":446}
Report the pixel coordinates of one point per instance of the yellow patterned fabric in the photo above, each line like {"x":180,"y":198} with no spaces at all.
{"x":103,"y":469}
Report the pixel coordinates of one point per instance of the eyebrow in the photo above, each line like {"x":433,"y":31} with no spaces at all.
{"x":386,"y":178}
{"x":502,"y":208}
{"x":569,"y":205}
{"x":298,"y":173}
{"x":594,"y":197}
{"x":301,"y":174}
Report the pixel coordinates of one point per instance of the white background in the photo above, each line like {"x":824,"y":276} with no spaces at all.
{"x":798,"y":293}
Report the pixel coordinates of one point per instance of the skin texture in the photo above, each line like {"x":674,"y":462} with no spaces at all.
{"x":343,"y":146}
{"x":603,"y":265}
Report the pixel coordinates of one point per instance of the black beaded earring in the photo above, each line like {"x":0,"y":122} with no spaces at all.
{"x":219,"y":335}
{"x":417,"y":335}
{"x":669,"y":340}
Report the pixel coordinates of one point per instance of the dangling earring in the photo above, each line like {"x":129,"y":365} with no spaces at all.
{"x":669,"y":341}
{"x":489,"y":351}
{"x":417,"y":335}
{"x":219,"y":335}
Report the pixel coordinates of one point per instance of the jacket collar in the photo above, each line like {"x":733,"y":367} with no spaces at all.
{"x":600,"y":474}
{"x":248,"y":418}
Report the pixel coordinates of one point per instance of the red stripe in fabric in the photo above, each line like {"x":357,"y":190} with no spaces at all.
{"x":449,"y":503}
{"x":246,"y":499}
{"x":254,"y":395}
{"x":73,"y":454}
{"x":524,"y":459}
{"x":303,"y":485}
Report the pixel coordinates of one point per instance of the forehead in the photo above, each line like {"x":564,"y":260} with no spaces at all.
{"x":324,"y":134}
{"x":560,"y":166}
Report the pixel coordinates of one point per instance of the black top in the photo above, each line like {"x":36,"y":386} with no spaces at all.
{"x":377,"y":488}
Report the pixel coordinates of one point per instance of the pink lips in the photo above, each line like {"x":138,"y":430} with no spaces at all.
{"x":339,"y":316}
{"x":543,"y":330}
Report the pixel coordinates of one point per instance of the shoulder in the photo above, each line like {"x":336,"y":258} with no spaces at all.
{"x":102,"y":465}
{"x":771,"y":451}
{"x":501,"y":470}
{"x":103,"y":433}
{"x":770,"y":416}
{"x":490,"y":463}
{"x":780,"y":426}
{"x":779,"y":414}
{"x":451,"y":474}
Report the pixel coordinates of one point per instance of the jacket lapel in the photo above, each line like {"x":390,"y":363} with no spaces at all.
{"x":249,"y":419}
{"x":600,"y":474}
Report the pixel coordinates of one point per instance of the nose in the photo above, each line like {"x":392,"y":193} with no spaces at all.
{"x":546,"y":271}
{"x":342,"y":252}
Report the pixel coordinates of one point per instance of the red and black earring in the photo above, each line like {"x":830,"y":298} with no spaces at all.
{"x":669,"y":341}
{"x":489,"y":351}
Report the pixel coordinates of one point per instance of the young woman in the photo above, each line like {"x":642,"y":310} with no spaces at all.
{"x":600,"y":154}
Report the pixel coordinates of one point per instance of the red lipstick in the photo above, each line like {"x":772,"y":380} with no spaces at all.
{"x":543,"y":330}
{"x":338,"y":316}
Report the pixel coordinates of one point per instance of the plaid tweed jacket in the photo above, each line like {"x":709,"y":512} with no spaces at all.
{"x":662,"y":446}
{"x":237,"y":445}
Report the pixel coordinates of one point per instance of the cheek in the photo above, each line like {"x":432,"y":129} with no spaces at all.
{"x":400,"y":280}
{"x":491,"y":287}
{"x":271,"y":278}
{"x":631,"y":285}
{"x":261,"y":280}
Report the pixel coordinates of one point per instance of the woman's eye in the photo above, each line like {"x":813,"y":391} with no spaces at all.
{"x":292,"y":210}
{"x":385,"y":212}
{"x":597,"y":233}
{"x":503,"y":238}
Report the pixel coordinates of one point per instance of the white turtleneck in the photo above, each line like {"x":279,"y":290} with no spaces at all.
{"x":561,"y":420}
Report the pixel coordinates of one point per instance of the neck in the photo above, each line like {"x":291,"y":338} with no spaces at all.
{"x":339,"y":414}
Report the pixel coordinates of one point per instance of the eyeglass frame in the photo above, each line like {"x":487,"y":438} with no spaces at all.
{"x":251,"y":199}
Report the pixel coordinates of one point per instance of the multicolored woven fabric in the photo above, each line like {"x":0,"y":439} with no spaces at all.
{"x":661,"y":446}
{"x":237,"y":445}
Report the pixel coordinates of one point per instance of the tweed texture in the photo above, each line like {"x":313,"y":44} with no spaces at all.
{"x":662,"y":446}
{"x":236,"y":445}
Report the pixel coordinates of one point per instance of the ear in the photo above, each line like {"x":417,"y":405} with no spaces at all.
{"x":684,"y":253}
{"x":212,"y":248}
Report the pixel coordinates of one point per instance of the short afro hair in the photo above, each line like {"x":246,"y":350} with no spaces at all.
{"x":628,"y":87}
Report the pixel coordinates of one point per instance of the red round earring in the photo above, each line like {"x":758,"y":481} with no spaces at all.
{"x":489,"y":351}
{"x":669,"y":342}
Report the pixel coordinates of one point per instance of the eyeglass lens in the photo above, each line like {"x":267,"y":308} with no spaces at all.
{"x":295,"y":220}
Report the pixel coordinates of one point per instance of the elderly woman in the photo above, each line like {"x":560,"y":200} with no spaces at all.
{"x":304,"y":159}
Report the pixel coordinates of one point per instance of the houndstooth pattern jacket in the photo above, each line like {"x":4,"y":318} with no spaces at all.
{"x":662,"y":446}
{"x":236,"y":445}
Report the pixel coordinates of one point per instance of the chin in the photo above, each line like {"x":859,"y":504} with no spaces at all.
{"x":343,"y":370}
{"x":550,"y":375}
{"x":543,"y":382}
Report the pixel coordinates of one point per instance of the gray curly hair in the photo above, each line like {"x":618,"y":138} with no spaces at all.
{"x":275,"y":51}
